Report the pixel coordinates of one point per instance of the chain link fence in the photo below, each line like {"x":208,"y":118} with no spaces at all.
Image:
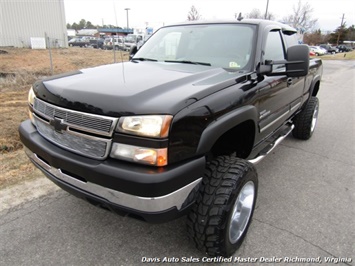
{"x":55,"y":52}
{"x":21,"y":67}
{"x":27,"y":41}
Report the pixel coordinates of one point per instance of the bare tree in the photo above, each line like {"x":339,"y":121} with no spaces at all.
{"x":301,"y":17}
{"x":256,"y":13}
{"x":193,"y":14}
{"x":316,"y":37}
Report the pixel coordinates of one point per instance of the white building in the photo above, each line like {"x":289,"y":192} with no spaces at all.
{"x":21,"y":20}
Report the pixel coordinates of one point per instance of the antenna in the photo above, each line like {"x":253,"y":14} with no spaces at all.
{"x":123,"y":75}
{"x":113,"y":39}
{"x":113,"y":44}
{"x":240,"y":16}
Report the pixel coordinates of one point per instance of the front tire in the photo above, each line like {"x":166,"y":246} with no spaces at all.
{"x":220,"y":218}
{"x":305,"y":122}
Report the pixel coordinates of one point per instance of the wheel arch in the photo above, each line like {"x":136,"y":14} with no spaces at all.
{"x":315,"y":86}
{"x":241,"y":124}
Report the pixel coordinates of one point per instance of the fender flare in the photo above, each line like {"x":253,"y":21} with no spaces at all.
{"x":316,"y":79}
{"x":223,"y":124}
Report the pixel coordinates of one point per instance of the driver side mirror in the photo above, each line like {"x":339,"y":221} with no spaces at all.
{"x":297,"y":63}
{"x":132,"y":52}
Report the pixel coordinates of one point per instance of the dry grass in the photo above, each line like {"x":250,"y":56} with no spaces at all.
{"x":37,"y":62}
{"x":13,"y":105}
{"x":19,"y":68}
{"x":16,"y":167}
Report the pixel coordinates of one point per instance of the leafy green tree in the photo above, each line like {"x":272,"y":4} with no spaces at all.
{"x":342,"y":34}
{"x":350,"y":35}
{"x":75,"y":26}
{"x":82,"y":24}
{"x":89,"y":25}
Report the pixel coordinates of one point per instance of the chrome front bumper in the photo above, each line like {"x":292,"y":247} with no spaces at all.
{"x":143,"y":204}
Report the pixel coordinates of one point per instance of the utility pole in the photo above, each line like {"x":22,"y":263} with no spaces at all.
{"x":127,"y":9}
{"x":341,"y":27}
{"x":267,"y":7}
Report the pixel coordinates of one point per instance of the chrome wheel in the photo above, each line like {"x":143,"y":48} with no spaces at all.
{"x":314,"y":118}
{"x":305,"y":122}
{"x":242,"y":210}
{"x":220,"y":217}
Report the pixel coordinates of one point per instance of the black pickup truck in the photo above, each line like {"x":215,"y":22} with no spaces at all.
{"x":177,"y":129}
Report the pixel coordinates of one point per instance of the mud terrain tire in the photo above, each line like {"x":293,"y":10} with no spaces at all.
{"x":222,"y":213}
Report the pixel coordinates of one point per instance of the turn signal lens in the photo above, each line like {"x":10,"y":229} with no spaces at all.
{"x":157,"y":157}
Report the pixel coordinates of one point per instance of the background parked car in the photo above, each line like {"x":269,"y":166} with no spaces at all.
{"x":113,"y":42}
{"x":344,"y":48}
{"x":330,"y":49}
{"x":81,"y":42}
{"x":97,"y":43}
{"x":318,"y":50}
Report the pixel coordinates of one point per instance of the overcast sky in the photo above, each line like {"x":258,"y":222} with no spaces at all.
{"x":156,"y":13}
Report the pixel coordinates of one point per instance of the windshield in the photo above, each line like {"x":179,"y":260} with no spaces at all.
{"x":218,"y":45}
{"x":131,"y":38}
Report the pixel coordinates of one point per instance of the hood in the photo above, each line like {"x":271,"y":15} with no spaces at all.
{"x":134,"y":87}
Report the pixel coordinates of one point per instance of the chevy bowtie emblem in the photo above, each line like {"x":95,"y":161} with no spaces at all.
{"x":58,"y":124}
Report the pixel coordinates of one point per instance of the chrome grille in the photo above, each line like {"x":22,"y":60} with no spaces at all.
{"x":82,"y":133}
{"x":91,"y":147}
{"x":96,"y":124}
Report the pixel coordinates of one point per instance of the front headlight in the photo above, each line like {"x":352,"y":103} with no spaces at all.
{"x":31,"y":97}
{"x":153,"y":126}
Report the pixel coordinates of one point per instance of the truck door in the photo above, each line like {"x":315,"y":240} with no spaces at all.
{"x":276,"y":94}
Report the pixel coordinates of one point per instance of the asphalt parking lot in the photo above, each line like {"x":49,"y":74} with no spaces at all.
{"x":305,"y":208}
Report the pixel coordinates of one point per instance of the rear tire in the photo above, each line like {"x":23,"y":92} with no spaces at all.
{"x":219,"y":220}
{"x":305,"y":122}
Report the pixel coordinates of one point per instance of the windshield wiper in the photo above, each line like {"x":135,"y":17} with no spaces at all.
{"x":144,"y":59}
{"x":187,"y":62}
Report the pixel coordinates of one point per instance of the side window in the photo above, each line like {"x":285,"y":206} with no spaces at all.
{"x":274,"y":49}
{"x":290,"y":39}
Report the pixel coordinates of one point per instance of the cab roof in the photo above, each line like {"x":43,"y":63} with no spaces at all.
{"x":259,"y":22}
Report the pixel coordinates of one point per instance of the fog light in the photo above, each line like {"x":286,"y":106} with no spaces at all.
{"x":30,"y":114}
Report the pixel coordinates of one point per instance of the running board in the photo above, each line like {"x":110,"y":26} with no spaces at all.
{"x":272,"y":145}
